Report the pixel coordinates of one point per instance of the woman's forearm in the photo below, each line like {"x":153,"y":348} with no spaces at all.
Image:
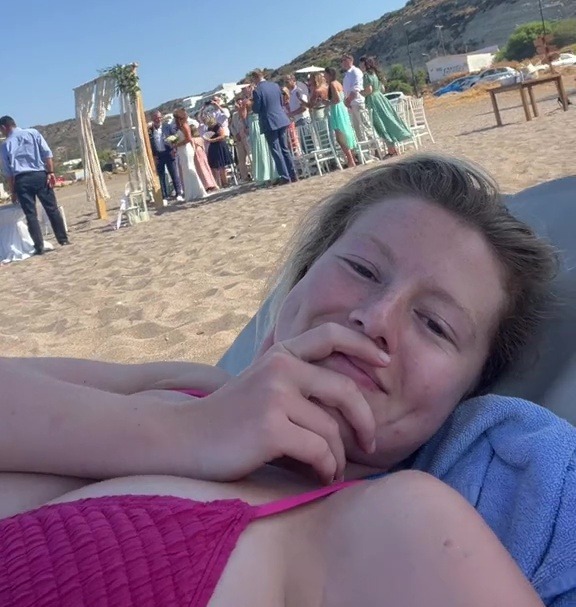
{"x":111,"y":377}
{"x":52,"y":426}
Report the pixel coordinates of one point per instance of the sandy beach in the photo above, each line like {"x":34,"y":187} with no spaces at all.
{"x":182,"y":285}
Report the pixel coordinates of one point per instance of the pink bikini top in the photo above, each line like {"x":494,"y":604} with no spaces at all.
{"x":130,"y":550}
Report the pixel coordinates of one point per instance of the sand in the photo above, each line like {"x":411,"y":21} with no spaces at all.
{"x":182,"y":285}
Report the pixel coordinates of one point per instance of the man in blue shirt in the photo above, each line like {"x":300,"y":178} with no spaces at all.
{"x":27,"y":163}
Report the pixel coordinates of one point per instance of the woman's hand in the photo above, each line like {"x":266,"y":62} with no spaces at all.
{"x":203,"y":378}
{"x":278,"y":408}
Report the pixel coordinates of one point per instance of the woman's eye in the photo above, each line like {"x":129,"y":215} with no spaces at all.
{"x":435,"y":327}
{"x":361,"y":270}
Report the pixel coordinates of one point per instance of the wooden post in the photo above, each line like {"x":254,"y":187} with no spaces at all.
{"x":495,"y":107}
{"x":156,"y":191}
{"x":101,"y":207}
{"x":525,"y":104}
{"x":533,"y":100}
{"x":562,"y":92}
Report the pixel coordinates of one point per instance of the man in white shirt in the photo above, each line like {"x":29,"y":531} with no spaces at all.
{"x":222,"y":113}
{"x":353,"y":86}
{"x":297,"y":103}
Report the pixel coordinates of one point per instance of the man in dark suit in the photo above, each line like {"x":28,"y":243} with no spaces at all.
{"x":162,"y":152}
{"x":274,"y":122}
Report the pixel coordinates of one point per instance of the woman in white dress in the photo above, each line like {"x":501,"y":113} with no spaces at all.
{"x":193,"y":188}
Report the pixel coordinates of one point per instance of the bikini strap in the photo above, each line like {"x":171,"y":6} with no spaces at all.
{"x":190,"y":392}
{"x":289,"y":503}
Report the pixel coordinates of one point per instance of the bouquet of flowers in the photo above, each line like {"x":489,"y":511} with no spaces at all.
{"x":171,"y":139}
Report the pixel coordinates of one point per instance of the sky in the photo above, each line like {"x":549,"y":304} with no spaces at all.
{"x":182,"y":47}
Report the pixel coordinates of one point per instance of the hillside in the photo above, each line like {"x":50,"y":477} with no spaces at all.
{"x":466,"y":25}
{"x":63,"y":136}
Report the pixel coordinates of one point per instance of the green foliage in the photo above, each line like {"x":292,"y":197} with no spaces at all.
{"x":127,"y":81}
{"x":398,"y":72}
{"x":399,"y":85}
{"x":106,"y":157}
{"x":421,"y":78}
{"x":520,"y":45}
{"x":398,"y":78}
{"x":564,"y":32}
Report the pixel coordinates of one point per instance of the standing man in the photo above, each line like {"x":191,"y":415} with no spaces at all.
{"x":222,"y":113}
{"x":163,"y":157}
{"x":353,"y":84}
{"x":29,"y":166}
{"x":297,"y":103}
{"x":274,"y":121}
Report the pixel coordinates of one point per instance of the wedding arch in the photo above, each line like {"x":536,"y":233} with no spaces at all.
{"x":93,"y":101}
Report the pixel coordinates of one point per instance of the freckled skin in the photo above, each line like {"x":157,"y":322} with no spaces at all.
{"x":404,"y":272}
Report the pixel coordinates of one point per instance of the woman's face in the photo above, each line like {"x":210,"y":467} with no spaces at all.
{"x":425,"y":288}
{"x":327,"y":77}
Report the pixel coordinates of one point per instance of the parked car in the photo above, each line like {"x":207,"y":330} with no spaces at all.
{"x":565,"y":59}
{"x":394,"y":97}
{"x":457,"y":86}
{"x":494,"y":74}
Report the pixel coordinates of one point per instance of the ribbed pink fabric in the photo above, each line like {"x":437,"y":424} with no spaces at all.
{"x":125,"y":551}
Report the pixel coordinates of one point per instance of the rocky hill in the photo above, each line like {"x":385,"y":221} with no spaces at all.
{"x":63,"y":136}
{"x":466,"y":25}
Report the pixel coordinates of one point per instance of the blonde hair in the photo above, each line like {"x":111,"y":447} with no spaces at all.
{"x":473,"y":196}
{"x":180,"y":115}
{"x":318,"y":79}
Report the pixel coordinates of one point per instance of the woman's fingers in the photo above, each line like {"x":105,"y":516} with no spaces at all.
{"x":311,"y":417}
{"x":310,"y":448}
{"x":333,"y":389}
{"x":320,"y":342}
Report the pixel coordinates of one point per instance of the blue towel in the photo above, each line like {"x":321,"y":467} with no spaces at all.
{"x":515,"y":463}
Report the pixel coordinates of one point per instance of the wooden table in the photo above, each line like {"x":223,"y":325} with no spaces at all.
{"x":528,"y":86}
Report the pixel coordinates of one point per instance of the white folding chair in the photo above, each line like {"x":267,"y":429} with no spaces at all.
{"x":404,"y":112}
{"x":231,"y":169}
{"x":317,"y":145}
{"x":373,"y":145}
{"x":301,"y":164}
{"x":418,"y":123}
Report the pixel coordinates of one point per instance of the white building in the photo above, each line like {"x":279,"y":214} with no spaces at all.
{"x":226,"y":90}
{"x":440,"y":68}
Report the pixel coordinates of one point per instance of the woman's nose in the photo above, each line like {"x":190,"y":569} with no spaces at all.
{"x":380,"y":320}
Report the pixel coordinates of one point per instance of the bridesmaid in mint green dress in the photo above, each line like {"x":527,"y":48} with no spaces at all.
{"x":263,"y":169}
{"x":339,"y":117}
{"x":387,"y":123}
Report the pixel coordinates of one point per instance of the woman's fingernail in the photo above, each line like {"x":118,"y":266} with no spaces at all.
{"x":384,"y":356}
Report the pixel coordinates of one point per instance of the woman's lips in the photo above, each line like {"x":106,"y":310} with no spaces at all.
{"x":364,"y":378}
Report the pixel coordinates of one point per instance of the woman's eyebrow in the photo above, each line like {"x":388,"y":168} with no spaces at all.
{"x":446,"y":297}
{"x":384,"y":249}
